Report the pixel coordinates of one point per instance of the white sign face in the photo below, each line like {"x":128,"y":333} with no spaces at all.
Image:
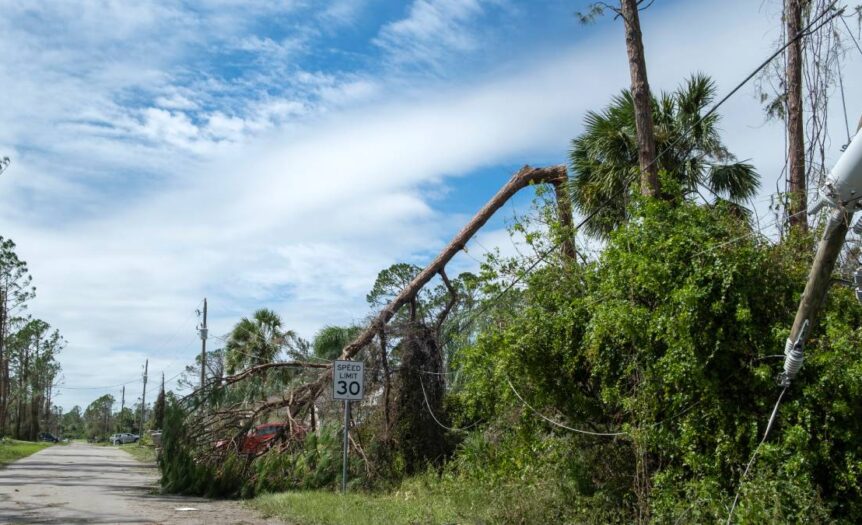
{"x":347,"y":380}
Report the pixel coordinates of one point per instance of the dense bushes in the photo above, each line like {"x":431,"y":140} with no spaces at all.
{"x":668,"y":337}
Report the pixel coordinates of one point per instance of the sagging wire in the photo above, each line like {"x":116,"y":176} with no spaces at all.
{"x":434,"y":417}
{"x":555,"y":423}
{"x":754,"y":455}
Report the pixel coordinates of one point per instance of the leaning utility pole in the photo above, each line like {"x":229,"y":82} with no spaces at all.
{"x":203,"y":331}
{"x":798,"y":198}
{"x":144,"y":396}
{"x":641,"y":98}
{"x":842,"y":192}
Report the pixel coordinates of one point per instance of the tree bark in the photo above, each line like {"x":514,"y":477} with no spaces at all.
{"x":642,"y":99}
{"x":798,"y":206}
{"x":564,"y":212}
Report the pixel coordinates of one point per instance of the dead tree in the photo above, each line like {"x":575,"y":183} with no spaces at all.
{"x":641,"y":97}
{"x":795,"y":128}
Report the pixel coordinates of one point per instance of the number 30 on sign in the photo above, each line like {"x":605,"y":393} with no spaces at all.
{"x":347,"y":381}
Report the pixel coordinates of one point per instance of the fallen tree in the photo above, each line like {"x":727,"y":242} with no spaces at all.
{"x":211,"y":421}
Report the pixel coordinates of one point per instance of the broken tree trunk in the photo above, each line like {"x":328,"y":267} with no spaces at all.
{"x":520,"y":180}
{"x":795,"y":130}
{"x":554,"y":175}
{"x":641,"y":97}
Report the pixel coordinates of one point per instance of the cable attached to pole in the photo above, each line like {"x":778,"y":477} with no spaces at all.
{"x":753,"y":456}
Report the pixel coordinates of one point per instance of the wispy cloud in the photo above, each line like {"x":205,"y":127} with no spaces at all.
{"x":434,"y":30}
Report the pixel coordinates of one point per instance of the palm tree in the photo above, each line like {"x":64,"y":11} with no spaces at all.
{"x":331,"y":340}
{"x":690,"y":154}
{"x":255,"y":341}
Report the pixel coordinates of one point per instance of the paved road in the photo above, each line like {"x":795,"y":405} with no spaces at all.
{"x":81,"y":483}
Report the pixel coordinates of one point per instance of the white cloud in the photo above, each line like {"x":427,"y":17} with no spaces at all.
{"x":431,"y":30}
{"x":129,"y":213}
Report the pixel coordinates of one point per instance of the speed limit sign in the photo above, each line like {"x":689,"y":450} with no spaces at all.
{"x":347,"y":381}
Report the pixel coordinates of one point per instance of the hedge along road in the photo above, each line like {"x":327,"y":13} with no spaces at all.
{"x":82,"y":483}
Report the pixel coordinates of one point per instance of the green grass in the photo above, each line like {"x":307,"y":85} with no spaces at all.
{"x":420,"y":501}
{"x":427,"y":499}
{"x":324,"y":508}
{"x":11,"y":450}
{"x":144,"y":453}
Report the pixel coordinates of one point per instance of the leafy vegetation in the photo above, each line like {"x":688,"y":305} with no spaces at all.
{"x":604,"y":159}
{"x":667,"y":338}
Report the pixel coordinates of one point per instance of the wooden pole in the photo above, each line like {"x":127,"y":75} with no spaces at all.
{"x":820,"y":276}
{"x":204,"y":347}
{"x":122,"y":407}
{"x":144,"y":397}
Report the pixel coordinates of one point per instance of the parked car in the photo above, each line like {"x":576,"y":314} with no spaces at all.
{"x":259,"y":438}
{"x":122,"y":439}
{"x":48,"y":437}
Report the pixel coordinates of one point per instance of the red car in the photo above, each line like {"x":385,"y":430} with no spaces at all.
{"x":258,"y":439}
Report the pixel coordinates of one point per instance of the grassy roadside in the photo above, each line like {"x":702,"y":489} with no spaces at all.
{"x":325,"y":508}
{"x":423,"y":500}
{"x":143,"y":453}
{"x":11,"y":450}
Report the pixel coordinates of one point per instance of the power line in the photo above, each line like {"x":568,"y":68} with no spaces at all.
{"x":165,"y":342}
{"x":850,"y":32}
{"x":542,"y":257}
{"x":428,"y":407}
{"x":754,"y":455}
{"x":556,"y":424}
{"x":105,"y":387}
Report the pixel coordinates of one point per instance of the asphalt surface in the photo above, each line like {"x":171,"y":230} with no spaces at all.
{"x":80,"y":483}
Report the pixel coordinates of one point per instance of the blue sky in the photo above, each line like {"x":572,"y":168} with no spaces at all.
{"x":281,"y":153}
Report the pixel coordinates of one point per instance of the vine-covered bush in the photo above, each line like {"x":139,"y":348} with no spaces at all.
{"x":670,"y":338}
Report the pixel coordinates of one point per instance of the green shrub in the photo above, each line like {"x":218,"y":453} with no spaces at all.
{"x":666,"y":337}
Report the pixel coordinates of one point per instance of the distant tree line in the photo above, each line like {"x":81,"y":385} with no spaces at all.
{"x":28,"y":353}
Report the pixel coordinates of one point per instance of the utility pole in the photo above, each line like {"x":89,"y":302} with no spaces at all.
{"x":144,"y":396}
{"x":840,"y":193}
{"x":122,"y":406}
{"x":203,"y":331}
{"x":816,"y":288}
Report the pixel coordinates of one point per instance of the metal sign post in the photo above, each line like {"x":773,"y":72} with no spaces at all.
{"x":347,"y":385}
{"x":346,"y":445}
